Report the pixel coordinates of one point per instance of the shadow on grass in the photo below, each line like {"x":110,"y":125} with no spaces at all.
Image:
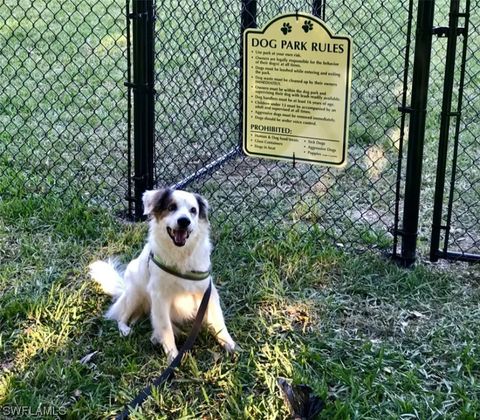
{"x":378,"y":340}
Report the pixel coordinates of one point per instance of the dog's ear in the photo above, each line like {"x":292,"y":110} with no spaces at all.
{"x":202,"y":207}
{"x":155,"y":200}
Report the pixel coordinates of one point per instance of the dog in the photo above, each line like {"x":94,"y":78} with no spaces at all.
{"x":179,"y":240}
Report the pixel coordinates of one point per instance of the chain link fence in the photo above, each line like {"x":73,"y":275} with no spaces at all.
{"x":198,"y":121}
{"x":460,"y":231}
{"x":64,"y":116}
{"x":63,"y":106}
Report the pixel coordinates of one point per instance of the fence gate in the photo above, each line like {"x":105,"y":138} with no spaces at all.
{"x":457,"y":189}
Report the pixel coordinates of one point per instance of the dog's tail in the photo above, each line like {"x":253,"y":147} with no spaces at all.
{"x":108,"y":276}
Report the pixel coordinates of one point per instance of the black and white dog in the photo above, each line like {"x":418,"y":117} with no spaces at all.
{"x":171,"y":274}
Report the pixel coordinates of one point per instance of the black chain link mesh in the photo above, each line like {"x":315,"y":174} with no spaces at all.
{"x":464,"y":232}
{"x":63,"y":115}
{"x":461,"y":200}
{"x":198,"y":123}
{"x":63,"y":120}
{"x":198,"y":70}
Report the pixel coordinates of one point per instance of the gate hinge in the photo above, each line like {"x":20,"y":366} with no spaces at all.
{"x":443,"y":31}
{"x":440,"y":227}
{"x":137,"y":15}
{"x":403,"y":234}
{"x":146,"y":88}
{"x":142,"y":15}
{"x":394,"y":231}
{"x":406,"y":110}
{"x":143,"y":177}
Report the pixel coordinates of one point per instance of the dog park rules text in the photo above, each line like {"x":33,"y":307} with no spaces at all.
{"x":296,"y":91}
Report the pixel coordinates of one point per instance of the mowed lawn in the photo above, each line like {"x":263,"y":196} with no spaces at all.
{"x":372,"y":339}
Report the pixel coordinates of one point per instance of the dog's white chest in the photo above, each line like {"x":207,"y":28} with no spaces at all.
{"x":184,"y":306}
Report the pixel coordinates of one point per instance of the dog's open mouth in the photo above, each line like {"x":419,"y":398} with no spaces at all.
{"x":179,"y":236}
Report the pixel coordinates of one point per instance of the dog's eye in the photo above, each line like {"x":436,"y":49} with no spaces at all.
{"x":193,"y":210}
{"x":172,"y":207}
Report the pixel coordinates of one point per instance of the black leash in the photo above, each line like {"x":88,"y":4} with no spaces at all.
{"x":168,"y":372}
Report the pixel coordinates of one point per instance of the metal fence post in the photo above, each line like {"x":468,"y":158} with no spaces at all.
{"x":416,"y":134}
{"x":318,"y":9}
{"x":444,"y":130}
{"x":248,"y":20}
{"x":249,"y":14}
{"x":143,"y":17}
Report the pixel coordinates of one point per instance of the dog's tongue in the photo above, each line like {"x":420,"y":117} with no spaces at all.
{"x":180,"y":236}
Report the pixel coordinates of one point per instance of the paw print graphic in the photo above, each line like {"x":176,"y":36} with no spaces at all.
{"x":286,"y":28}
{"x":307,"y":26}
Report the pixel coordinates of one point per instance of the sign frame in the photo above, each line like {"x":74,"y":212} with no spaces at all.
{"x":245,"y":130}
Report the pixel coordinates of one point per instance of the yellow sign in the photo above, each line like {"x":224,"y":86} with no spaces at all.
{"x":296,"y":91}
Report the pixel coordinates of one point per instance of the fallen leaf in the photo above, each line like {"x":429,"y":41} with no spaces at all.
{"x":86,"y":359}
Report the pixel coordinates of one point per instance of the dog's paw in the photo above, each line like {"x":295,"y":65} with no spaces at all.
{"x":155,"y":340}
{"x":170,"y":351}
{"x":233,"y":351}
{"x":171,"y":355}
{"x":124,"y":329}
{"x":231,"y":347}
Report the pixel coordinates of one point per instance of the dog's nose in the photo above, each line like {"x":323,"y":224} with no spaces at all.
{"x":183,"y":222}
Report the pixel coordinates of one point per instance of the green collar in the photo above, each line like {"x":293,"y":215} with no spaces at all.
{"x":189,"y":275}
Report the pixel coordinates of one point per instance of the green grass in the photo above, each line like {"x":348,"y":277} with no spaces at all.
{"x":63,"y":104}
{"x":375,"y":340}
